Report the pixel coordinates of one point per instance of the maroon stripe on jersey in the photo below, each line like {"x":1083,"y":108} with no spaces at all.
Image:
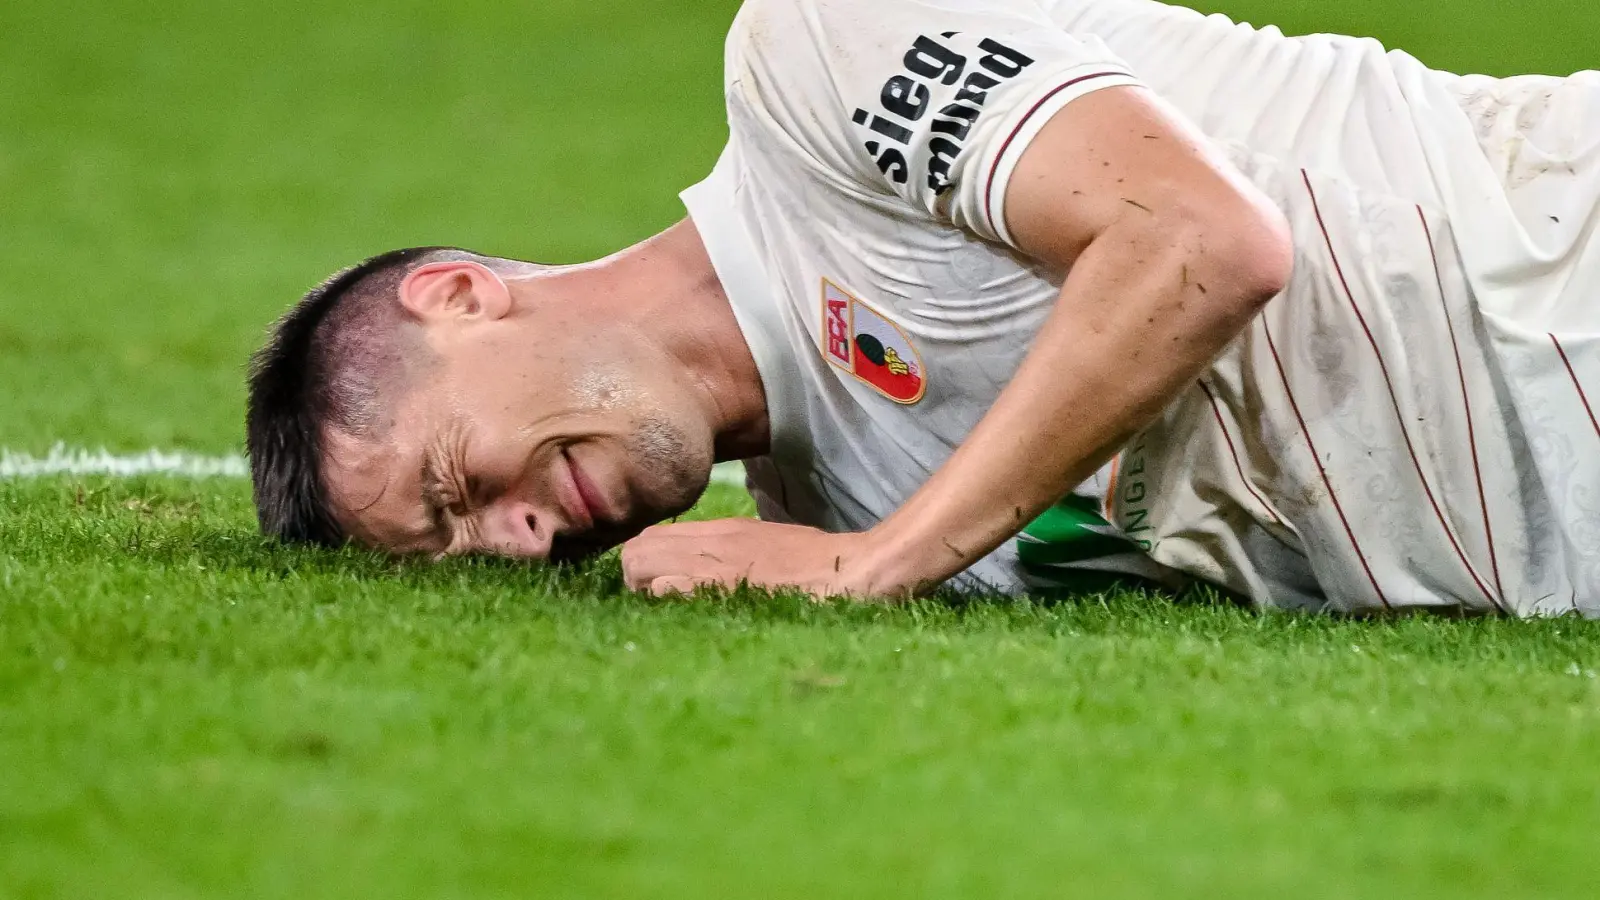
{"x":994,"y":170}
{"x":1466,"y":403}
{"x":1394,"y":398}
{"x":1317,"y":458}
{"x":1577,"y":384}
{"x":1216,"y":410}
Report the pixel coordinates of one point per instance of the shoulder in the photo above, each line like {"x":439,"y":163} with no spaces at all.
{"x":768,"y":32}
{"x":794,"y":75}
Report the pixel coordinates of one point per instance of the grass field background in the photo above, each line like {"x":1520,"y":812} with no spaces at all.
{"x":186,"y":711}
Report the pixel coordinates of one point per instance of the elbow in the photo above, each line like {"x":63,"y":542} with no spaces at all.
{"x":1264,"y":258}
{"x":1250,"y":248}
{"x":1229,"y":244}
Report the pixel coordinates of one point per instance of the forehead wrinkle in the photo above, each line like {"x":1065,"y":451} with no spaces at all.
{"x":362,"y":463}
{"x":388,"y":480}
{"x":379,"y":522}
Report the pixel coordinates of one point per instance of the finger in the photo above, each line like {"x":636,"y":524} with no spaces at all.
{"x":683,"y":585}
{"x":632,"y":566}
{"x":644,"y":562}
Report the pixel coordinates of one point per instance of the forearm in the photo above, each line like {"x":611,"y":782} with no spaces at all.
{"x":1143,"y":311}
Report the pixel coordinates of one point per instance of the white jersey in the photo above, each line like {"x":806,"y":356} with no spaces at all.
{"x":1408,"y":424}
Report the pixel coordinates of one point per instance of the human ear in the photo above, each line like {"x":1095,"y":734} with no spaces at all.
{"x":455,"y":289}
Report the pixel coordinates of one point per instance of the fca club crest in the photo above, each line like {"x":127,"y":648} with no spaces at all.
{"x":861,"y":341}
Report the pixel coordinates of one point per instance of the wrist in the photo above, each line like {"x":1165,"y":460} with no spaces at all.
{"x":890,"y":563}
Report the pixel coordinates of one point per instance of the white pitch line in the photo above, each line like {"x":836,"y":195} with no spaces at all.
{"x":64,"y":460}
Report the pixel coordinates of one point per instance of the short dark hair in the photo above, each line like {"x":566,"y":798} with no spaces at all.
{"x":323,"y":366}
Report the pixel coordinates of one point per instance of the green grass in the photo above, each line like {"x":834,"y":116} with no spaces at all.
{"x":187,"y":711}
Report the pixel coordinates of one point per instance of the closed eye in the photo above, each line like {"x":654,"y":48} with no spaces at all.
{"x":458,"y":499}
{"x":435,"y":498}
{"x":443,"y":492}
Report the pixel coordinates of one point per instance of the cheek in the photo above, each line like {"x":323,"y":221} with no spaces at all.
{"x":604,"y":390}
{"x":621,"y":396}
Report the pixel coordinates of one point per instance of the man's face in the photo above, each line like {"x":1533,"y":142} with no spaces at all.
{"x":522,"y":438}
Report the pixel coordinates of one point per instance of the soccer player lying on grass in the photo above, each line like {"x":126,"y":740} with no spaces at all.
{"x":984,"y":291}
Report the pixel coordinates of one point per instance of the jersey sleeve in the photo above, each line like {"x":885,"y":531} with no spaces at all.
{"x":929,"y":101}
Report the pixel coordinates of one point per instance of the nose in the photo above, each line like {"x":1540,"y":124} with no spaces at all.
{"x":516,"y":529}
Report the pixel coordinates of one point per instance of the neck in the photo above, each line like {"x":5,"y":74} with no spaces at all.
{"x":669,"y":288}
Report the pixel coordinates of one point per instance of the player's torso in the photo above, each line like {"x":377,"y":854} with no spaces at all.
{"x":907,"y":329}
{"x":899,"y":358}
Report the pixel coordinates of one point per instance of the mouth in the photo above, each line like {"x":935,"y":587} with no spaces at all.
{"x":588,"y":501}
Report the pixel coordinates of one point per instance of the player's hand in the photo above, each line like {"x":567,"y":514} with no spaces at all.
{"x":680,"y":557}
